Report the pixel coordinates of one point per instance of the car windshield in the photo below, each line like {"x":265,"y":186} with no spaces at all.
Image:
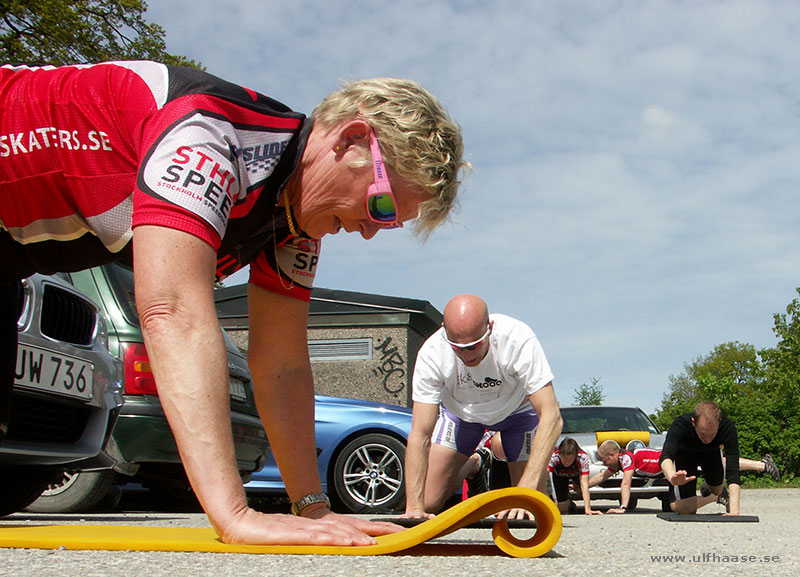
{"x":592,"y":419}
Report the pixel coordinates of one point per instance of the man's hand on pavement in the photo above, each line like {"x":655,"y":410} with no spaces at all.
{"x":417,"y":514}
{"x":515,"y":514}
{"x":255,"y":528}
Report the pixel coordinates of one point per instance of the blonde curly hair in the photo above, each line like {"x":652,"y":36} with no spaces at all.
{"x":418,"y":139}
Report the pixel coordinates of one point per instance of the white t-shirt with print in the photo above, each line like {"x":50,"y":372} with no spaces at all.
{"x":514,"y":367}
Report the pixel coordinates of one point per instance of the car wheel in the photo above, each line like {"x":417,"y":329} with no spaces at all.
{"x":21,"y":487}
{"x":369,"y":474}
{"x":74,"y":492}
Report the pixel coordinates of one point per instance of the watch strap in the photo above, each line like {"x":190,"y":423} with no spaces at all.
{"x":311,"y":499}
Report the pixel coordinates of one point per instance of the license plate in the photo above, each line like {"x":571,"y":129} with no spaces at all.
{"x":238,"y":392}
{"x":46,"y":370}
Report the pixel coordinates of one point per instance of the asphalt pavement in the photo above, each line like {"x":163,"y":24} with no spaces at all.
{"x":637,"y":543}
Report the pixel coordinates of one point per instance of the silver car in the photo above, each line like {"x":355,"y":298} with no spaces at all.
{"x":67,"y":391}
{"x":142,"y":441}
{"x":583,"y":423}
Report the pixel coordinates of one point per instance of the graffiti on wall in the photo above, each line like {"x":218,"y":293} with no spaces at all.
{"x":391,"y":367}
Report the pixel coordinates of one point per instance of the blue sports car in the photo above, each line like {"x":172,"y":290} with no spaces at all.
{"x":361,"y":448}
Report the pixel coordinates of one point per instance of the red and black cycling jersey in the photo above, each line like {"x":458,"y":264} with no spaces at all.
{"x":643,"y":462}
{"x":646,"y":462}
{"x":580,"y":466}
{"x":90,"y":152}
{"x":624,"y":462}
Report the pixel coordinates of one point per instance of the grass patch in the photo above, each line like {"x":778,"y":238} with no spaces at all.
{"x":761,"y":482}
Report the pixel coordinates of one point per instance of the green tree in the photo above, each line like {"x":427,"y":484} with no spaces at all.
{"x":589,"y":394}
{"x":783,"y":360}
{"x":61,"y":32}
{"x":779,"y":392}
{"x":722,"y":376}
{"x":682,"y":396}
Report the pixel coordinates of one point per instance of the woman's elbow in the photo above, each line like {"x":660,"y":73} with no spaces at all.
{"x":157,"y":318}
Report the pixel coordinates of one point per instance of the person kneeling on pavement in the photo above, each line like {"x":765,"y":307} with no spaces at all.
{"x":478,"y":372}
{"x":569,"y":464}
{"x":693,"y":442}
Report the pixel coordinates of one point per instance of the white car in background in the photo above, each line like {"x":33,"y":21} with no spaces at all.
{"x":584,"y":422}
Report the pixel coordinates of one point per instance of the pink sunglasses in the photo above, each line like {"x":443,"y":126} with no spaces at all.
{"x":381,"y":203}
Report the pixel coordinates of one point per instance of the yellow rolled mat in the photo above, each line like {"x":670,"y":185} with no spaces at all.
{"x":133,"y":538}
{"x":623,"y":437}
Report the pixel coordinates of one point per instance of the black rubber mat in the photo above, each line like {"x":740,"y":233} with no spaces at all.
{"x":708,"y":518}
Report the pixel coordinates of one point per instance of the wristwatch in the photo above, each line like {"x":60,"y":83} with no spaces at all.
{"x":304,"y":502}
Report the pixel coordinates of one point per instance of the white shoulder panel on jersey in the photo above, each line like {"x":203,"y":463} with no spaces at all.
{"x":154,"y":74}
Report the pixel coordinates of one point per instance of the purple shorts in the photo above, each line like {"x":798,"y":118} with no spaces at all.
{"x":516,"y":430}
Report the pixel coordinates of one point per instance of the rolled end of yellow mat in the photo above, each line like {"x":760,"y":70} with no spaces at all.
{"x":548,"y":528}
{"x":623,"y":437}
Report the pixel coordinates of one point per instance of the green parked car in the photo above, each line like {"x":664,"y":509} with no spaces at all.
{"x":141,"y":441}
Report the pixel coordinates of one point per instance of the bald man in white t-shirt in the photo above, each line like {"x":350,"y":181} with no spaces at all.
{"x":478,"y":372}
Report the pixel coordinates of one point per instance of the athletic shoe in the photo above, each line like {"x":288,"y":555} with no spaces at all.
{"x":724,"y":499}
{"x":770,"y":468}
{"x":704,"y":490}
{"x":479,"y":483}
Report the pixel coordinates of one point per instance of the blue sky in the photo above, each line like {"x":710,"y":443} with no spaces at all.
{"x":634,"y":193}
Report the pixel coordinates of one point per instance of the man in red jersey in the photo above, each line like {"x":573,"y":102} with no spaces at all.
{"x":189,"y":178}
{"x":641,"y":462}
